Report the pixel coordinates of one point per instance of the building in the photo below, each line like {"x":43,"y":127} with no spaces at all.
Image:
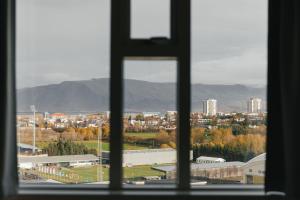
{"x":29,"y":162}
{"x":147,"y":157}
{"x":254,"y":105}
{"x":205,"y":159}
{"x":27,"y":148}
{"x":254,"y":170}
{"x":210,"y":107}
{"x":221,"y":170}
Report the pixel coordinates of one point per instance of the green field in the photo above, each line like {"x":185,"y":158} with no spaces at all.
{"x":93,"y":144}
{"x":140,"y":171}
{"x":142,"y":135}
{"x":90,"y":174}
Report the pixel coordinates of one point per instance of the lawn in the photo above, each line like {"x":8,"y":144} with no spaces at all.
{"x":142,"y":135}
{"x":140,"y":171}
{"x":93,"y":144}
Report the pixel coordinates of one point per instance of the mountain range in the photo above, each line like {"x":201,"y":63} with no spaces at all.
{"x":93,"y":96}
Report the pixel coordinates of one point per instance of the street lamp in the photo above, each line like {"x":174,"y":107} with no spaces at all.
{"x":99,"y":171}
{"x":32,"y":108}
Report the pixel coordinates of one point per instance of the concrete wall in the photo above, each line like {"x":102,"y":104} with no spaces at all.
{"x":131,"y":158}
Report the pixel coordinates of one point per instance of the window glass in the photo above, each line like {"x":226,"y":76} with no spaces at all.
{"x":229,"y":77}
{"x":150,"y":18}
{"x":149,"y":122}
{"x":62,"y":91}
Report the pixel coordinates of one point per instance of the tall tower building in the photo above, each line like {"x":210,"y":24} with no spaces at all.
{"x":210,"y":107}
{"x":254,"y":105}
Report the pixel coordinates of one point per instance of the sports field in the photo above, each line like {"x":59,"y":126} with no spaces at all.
{"x":92,"y":174}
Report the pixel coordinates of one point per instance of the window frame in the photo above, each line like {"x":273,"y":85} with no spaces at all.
{"x":122,"y":46}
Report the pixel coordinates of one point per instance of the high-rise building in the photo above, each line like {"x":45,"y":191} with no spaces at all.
{"x":210,"y":107}
{"x":254,"y":105}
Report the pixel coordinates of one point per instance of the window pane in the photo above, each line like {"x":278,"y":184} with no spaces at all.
{"x":62,"y":90}
{"x":149,"y":122}
{"x":150,"y":18}
{"x":229,"y":67}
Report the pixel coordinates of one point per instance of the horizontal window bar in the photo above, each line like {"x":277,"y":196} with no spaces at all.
{"x":141,"y":194}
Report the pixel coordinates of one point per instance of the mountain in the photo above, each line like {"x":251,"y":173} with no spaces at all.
{"x":93,"y":95}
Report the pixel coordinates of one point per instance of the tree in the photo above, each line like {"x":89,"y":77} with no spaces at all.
{"x":67,"y":147}
{"x":105,"y":130}
{"x":139,"y":117}
{"x":198,"y":135}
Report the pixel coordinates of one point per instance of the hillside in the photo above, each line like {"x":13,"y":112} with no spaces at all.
{"x":93,"y":95}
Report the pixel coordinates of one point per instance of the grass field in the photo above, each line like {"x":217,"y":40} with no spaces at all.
{"x":90,"y":174}
{"x":140,"y":171}
{"x":142,"y":135}
{"x":93,"y":144}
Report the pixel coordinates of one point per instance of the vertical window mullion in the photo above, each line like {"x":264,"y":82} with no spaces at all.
{"x":119,"y":31}
{"x":181,"y":11}
{"x":8,"y":154}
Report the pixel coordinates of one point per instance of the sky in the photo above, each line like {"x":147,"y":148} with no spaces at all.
{"x":64,"y":40}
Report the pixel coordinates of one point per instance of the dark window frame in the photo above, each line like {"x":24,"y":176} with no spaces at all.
{"x":122,"y":46}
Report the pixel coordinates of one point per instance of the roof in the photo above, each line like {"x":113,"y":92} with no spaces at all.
{"x":260,"y":157}
{"x":26,"y":146}
{"x":194,"y":166}
{"x":210,"y":158}
{"x":57,"y":159}
{"x":150,"y":150}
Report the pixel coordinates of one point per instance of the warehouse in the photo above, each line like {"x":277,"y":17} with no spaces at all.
{"x":29,"y":162}
{"x":147,"y":157}
{"x":220,"y":170}
{"x":254,"y":170}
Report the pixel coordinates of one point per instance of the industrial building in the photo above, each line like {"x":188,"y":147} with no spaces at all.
{"x":29,"y":162}
{"x":254,"y":170}
{"x":147,"y":157}
{"x":251,"y":172}
{"x":219,"y":170}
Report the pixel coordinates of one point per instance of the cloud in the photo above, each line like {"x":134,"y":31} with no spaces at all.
{"x":247,"y":68}
{"x":69,"y":39}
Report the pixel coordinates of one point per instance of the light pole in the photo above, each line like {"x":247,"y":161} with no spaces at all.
{"x":32,"y":108}
{"x":99,"y":171}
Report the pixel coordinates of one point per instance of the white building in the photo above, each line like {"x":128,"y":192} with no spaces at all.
{"x":210,"y":107}
{"x":147,"y":157}
{"x":29,"y":162}
{"x":254,"y":105}
{"x":254,"y":170}
{"x":205,"y":159}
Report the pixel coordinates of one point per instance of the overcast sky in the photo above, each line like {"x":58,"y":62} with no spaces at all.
{"x":63,"y":40}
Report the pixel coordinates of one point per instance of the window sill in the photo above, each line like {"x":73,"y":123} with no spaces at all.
{"x":167,"y":192}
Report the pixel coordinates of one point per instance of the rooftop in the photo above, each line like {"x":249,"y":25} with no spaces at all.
{"x":26,"y":146}
{"x":194,"y":166}
{"x":57,"y":159}
{"x":209,"y":158}
{"x":260,"y":157}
